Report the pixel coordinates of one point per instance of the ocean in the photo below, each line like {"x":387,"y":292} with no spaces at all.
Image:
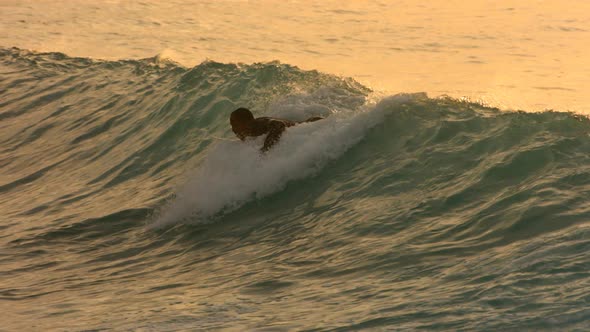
{"x":441,"y":202}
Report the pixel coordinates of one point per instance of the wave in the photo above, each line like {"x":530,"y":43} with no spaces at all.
{"x":124,"y":176}
{"x":138,"y":127}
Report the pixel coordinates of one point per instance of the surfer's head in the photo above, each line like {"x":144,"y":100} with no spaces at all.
{"x":241,"y":120}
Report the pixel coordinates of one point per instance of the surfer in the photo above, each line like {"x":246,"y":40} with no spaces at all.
{"x":243,"y":124}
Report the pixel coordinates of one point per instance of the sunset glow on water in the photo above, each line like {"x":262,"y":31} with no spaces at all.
{"x":445,"y":188}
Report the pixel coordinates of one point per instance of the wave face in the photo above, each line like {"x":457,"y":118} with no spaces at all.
{"x":128,"y":204}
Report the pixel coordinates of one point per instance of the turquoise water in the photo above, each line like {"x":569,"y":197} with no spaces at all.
{"x":127,"y":204}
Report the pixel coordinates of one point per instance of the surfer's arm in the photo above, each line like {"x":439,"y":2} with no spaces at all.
{"x":274,"y":134}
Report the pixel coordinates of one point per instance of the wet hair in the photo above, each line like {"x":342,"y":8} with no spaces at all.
{"x":241,"y":115}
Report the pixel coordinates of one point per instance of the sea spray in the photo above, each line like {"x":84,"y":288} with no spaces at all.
{"x":234,"y":173}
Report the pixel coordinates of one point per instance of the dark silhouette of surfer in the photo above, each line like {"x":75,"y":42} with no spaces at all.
{"x":244,"y":124}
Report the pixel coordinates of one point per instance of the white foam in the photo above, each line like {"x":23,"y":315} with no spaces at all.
{"x":234,"y":173}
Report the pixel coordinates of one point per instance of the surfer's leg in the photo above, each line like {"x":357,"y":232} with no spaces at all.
{"x":313,"y":119}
